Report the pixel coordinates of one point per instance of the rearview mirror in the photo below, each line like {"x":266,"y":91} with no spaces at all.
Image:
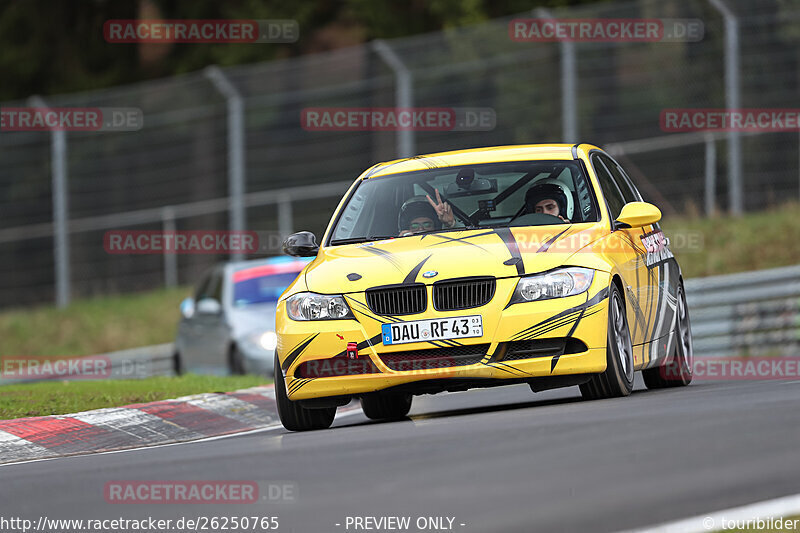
{"x":187,"y":308}
{"x":638,"y":214}
{"x":302,"y":244}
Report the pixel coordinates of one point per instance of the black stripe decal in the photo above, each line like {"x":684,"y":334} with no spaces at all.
{"x":511,"y":243}
{"x":412,"y":276}
{"x":546,"y":246}
{"x":596,"y":299}
{"x":296,"y":352}
{"x":304,"y":383}
{"x":363,"y":344}
{"x":366,"y":311}
{"x":383,"y":253}
{"x":447,"y":239}
{"x":556,"y":357}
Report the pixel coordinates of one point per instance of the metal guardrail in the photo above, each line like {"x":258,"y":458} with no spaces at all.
{"x":748,"y":313}
{"x":133,"y":363}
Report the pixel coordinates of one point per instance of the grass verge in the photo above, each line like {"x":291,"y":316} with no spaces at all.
{"x":755,"y":241}
{"x":62,"y":397}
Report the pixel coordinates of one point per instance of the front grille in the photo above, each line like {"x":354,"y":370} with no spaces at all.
{"x":543,"y":348}
{"x":398,"y":300}
{"x":434,"y":358}
{"x":453,"y":295}
{"x":336,"y":366}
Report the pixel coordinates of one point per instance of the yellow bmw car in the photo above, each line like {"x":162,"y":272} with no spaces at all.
{"x":536,"y":264}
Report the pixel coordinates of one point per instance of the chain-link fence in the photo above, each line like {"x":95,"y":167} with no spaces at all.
{"x":194,"y":150}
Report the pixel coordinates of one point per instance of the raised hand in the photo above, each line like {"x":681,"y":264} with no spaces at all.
{"x":443,"y":210}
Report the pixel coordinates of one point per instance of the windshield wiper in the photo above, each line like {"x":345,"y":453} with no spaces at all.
{"x":356,"y":240}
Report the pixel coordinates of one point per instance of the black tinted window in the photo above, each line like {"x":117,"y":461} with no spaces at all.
{"x":621,"y":179}
{"x":610,"y":191}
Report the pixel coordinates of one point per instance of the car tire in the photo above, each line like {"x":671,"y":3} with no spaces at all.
{"x":377,"y":406}
{"x":676,"y":371}
{"x":617,"y":379}
{"x":235,"y":361}
{"x":293,"y":416}
{"x":177,"y":364}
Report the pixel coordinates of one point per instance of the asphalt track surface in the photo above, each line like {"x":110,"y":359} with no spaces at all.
{"x":500,"y":459}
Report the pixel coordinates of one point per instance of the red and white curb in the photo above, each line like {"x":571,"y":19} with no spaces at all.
{"x":133,"y":426}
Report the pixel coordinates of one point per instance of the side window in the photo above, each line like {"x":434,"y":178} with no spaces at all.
{"x":203,"y":290}
{"x":636,"y":192}
{"x":216,"y":293}
{"x":210,"y":287}
{"x":610,"y":191}
{"x":619,"y":177}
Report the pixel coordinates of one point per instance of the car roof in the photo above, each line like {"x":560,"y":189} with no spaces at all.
{"x":474,"y":156}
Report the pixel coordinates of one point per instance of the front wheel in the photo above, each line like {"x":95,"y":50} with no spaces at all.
{"x":676,"y":371}
{"x":377,"y":406}
{"x":617,"y":379}
{"x":293,"y":416}
{"x":235,"y":361}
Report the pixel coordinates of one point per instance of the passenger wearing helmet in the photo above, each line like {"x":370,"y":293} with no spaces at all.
{"x":547,"y":198}
{"x":420,"y":214}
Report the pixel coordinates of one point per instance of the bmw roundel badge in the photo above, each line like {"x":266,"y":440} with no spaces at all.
{"x":430,"y":274}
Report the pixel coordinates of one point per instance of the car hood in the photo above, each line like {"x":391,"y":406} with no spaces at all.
{"x":499,"y":252}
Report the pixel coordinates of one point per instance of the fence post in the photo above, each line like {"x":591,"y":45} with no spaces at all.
{"x":236,"y":149}
{"x":711,"y":175}
{"x":569,"y":85}
{"x":732,"y":102}
{"x":170,"y":259}
{"x":59,"y":171}
{"x":285,"y":216}
{"x":404,"y":93}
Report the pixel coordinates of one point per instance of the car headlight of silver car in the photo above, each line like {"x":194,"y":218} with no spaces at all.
{"x":558,"y":283}
{"x":311,"y":306}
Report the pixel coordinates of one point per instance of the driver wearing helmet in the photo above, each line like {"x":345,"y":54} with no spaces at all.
{"x":421,"y":214}
{"x":547,"y":198}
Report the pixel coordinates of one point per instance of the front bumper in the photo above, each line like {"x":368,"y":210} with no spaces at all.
{"x":582,"y":319}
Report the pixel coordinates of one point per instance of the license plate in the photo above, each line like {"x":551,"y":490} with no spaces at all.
{"x":435,"y":329}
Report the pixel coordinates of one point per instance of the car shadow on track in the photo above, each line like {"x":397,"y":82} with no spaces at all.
{"x":501,"y":407}
{"x":465,"y":411}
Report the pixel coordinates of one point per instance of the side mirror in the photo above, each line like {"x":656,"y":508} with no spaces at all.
{"x":638,"y":214}
{"x":209,"y":306}
{"x":302,"y":244}
{"x":187,"y":308}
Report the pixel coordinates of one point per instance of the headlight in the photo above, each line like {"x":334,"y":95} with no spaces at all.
{"x":310,"y":306}
{"x":268,"y":341}
{"x":554,"y":284}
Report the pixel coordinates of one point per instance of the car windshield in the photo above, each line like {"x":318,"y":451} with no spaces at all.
{"x":258,"y":289}
{"x":524,"y":193}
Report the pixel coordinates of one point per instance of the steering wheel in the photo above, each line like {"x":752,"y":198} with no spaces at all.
{"x":535,"y":219}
